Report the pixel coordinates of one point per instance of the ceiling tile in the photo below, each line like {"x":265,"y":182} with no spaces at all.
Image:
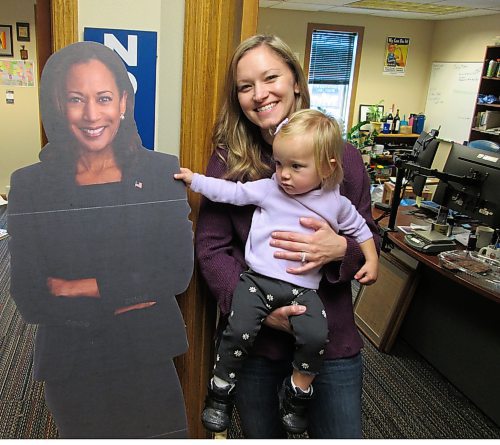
{"x":461,"y":15}
{"x":477,"y":4}
{"x":347,"y":10}
{"x":318,"y":6}
{"x":409,"y":9}
{"x":267,"y":3}
{"x":327,"y":3}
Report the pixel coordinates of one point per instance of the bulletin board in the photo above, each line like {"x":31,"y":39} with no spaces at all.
{"x":451,"y":98}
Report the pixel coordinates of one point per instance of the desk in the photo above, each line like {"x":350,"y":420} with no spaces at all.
{"x":396,"y":139}
{"x":454,"y":325}
{"x":397,"y":238}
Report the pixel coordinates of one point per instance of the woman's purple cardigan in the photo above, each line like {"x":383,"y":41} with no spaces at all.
{"x":220,"y":248}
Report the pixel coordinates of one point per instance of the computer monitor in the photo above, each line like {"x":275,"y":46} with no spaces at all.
{"x":424,"y":150}
{"x":480,"y":201}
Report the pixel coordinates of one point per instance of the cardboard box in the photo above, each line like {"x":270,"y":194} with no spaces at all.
{"x":489,"y":119}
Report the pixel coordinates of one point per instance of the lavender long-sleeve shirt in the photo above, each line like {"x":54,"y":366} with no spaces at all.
{"x":278,"y":211}
{"x":222,"y":232}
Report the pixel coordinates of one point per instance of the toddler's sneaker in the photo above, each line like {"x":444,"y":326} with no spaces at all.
{"x":219,"y":403}
{"x":293,"y":407}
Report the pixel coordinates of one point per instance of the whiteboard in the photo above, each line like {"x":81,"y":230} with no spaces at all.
{"x":451,"y":99}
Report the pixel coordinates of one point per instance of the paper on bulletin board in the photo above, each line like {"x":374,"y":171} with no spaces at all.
{"x":19,"y":73}
{"x":396,"y":56}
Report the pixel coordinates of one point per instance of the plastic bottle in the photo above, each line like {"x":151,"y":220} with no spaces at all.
{"x":498,"y":67}
{"x":492,"y":68}
{"x":418,"y":123}
{"x":410,"y":120}
{"x":396,"y":123}
{"x":472,"y":241}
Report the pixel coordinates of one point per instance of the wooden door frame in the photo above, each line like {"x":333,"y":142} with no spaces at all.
{"x":64,"y":23}
{"x":56,"y":27}
{"x":212,"y":30}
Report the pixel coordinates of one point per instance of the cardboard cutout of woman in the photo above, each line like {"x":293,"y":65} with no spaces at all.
{"x":100,"y":246}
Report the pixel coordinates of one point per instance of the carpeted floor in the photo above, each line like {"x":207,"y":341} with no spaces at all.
{"x":403,"y":396}
{"x":23,"y":414}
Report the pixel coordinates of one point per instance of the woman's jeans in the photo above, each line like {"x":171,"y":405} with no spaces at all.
{"x":334,"y":412}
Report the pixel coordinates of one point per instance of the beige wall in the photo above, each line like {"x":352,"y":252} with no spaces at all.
{"x":464,"y":40}
{"x":19,"y":123}
{"x":452,"y":40}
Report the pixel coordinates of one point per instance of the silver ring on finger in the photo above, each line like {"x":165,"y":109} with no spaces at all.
{"x":303,"y":259}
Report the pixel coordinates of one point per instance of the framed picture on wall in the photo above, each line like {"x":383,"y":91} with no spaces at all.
{"x":23,"y":32}
{"x":6,"y":49}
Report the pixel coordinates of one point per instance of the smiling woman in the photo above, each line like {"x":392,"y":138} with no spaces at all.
{"x":242,"y":152}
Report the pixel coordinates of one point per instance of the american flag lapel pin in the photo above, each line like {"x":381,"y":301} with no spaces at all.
{"x":138,"y":184}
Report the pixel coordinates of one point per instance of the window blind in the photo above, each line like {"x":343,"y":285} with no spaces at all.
{"x":332,"y":53}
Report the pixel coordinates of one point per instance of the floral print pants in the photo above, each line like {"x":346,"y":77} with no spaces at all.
{"x":254,"y":298}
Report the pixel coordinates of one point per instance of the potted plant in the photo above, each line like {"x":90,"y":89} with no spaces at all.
{"x":374,"y":116}
{"x":362,"y":140}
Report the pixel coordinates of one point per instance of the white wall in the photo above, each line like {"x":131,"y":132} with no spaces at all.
{"x":167,"y":19}
{"x":19,"y":123}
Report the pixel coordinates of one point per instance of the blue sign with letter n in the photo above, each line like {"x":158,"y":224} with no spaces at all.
{"x":138,"y":51}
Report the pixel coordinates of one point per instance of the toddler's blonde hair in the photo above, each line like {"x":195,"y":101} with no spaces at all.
{"x":327,"y":142}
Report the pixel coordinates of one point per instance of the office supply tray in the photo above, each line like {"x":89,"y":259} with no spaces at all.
{"x":472,"y":267}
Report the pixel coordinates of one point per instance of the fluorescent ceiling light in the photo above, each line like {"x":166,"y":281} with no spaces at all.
{"x":391,"y":5}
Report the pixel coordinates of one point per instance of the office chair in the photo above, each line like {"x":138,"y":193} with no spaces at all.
{"x":485,"y":145}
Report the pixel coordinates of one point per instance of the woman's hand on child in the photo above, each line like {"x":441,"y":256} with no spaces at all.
{"x":279,"y":318}
{"x":314,"y":250}
{"x":185,"y":175}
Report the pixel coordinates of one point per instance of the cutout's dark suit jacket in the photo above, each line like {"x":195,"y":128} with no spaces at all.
{"x":134,"y":237}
